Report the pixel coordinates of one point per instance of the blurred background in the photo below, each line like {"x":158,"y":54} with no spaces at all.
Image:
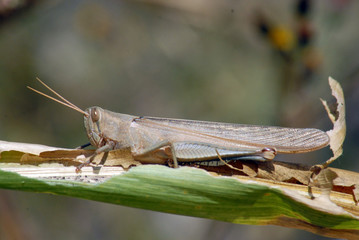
{"x":252,"y":62}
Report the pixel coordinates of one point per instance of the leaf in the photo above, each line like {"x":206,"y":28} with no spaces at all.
{"x":194,"y":192}
{"x":337,"y":134}
{"x":26,"y":147}
{"x":35,"y":154}
{"x":324,"y":177}
{"x":270,"y":198}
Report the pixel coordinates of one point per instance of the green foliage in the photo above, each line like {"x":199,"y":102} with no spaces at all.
{"x":187,"y":191}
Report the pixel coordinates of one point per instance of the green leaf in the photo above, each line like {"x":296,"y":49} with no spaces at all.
{"x":193,"y":192}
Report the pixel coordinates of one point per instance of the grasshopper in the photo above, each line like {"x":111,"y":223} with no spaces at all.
{"x":173,"y":141}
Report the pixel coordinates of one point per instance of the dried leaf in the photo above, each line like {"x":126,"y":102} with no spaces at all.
{"x":26,"y":147}
{"x":356,"y":193}
{"x":34,"y":154}
{"x":325,"y":181}
{"x":320,"y":203}
{"x":347,"y":182}
{"x":119,"y":157}
{"x":337,"y":134}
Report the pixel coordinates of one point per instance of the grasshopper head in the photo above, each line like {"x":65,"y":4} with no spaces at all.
{"x":92,"y":124}
{"x":104,"y":127}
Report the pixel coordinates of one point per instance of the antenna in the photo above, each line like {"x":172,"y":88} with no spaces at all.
{"x":64,"y":102}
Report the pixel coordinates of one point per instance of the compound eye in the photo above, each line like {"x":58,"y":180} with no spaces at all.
{"x":95,"y":115}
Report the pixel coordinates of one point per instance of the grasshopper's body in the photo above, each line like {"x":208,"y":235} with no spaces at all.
{"x":157,"y":140}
